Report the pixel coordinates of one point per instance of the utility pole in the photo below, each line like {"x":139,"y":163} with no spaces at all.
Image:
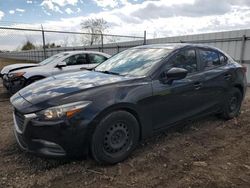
{"x":102,"y":41}
{"x":243,"y":43}
{"x":145,"y":38}
{"x":44,"y":49}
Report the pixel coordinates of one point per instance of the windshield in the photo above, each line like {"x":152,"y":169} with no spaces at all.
{"x":51,"y":59}
{"x":133,"y":62}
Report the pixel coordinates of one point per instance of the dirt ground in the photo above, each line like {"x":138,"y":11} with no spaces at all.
{"x":205,"y":153}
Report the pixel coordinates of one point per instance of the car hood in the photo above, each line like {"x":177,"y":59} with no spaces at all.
{"x":14,"y":67}
{"x":67,"y":84}
{"x":41,"y":68}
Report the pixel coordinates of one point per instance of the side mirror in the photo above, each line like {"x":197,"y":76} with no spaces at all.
{"x":61,"y":64}
{"x":173,"y":74}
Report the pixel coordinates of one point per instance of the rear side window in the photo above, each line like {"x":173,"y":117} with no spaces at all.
{"x":186,"y":59}
{"x":209,"y":59}
{"x":96,"y":59}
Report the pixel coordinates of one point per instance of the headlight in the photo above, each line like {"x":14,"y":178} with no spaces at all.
{"x":16,"y":74}
{"x":67,"y":110}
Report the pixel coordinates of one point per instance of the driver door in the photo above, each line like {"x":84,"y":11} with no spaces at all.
{"x":180,"y":99}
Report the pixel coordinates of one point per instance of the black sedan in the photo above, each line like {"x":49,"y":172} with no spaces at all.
{"x":134,"y":94}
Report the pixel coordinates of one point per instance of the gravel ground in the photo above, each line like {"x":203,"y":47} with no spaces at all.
{"x":205,"y":153}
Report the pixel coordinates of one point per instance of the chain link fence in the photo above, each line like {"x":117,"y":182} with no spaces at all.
{"x":39,"y":44}
{"x":45,"y":43}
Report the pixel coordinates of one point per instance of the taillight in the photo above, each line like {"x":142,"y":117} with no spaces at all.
{"x":244,"y":69}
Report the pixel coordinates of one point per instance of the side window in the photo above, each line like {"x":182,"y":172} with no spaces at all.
{"x":96,"y":59}
{"x":223,"y":59}
{"x":70,"y":60}
{"x":210,"y":59}
{"x":186,"y":59}
{"x":78,"y":59}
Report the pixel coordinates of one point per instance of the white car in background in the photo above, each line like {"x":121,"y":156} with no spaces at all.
{"x":17,"y":76}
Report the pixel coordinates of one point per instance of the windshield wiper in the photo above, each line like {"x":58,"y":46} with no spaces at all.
{"x":108,"y":72}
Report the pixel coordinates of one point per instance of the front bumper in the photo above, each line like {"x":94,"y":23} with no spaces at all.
{"x":13,"y":85}
{"x":51,"y":139}
{"x":5,"y":81}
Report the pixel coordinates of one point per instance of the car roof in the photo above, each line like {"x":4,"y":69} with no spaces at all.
{"x":84,"y":51}
{"x":173,"y":46}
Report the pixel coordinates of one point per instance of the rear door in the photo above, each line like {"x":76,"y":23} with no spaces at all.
{"x":217,"y":76}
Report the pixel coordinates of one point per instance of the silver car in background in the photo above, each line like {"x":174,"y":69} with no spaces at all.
{"x":17,"y":76}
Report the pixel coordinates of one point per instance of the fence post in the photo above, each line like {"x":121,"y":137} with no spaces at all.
{"x":145,"y":38}
{"x":102,"y":41}
{"x":243,"y":42}
{"x":44,"y":50}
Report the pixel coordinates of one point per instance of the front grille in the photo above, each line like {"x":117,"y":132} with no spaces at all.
{"x":19,"y":120}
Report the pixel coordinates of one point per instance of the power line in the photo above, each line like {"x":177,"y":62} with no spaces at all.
{"x":68,"y":32}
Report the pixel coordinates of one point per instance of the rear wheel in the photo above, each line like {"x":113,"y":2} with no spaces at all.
{"x":232,"y":105}
{"x":115,"y":137}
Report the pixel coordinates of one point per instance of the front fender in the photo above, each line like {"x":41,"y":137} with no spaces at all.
{"x":29,"y":75}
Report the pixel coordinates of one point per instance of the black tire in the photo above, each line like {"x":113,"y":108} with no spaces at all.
{"x":115,"y":137}
{"x":232,"y":104}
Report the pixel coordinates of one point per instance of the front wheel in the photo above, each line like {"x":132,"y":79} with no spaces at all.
{"x":115,"y":137}
{"x":232,"y":105}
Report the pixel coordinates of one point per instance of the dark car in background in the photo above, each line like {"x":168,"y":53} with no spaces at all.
{"x":129,"y":97}
{"x":17,"y":76}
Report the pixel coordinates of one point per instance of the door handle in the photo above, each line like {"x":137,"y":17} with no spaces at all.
{"x":228,"y":76}
{"x":197,"y":85}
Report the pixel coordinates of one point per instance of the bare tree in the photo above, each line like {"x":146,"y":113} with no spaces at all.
{"x":65,"y":42}
{"x":28,"y":46}
{"x":96,"y":27}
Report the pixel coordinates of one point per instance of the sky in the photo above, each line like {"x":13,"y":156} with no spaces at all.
{"x":159,"y":18}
